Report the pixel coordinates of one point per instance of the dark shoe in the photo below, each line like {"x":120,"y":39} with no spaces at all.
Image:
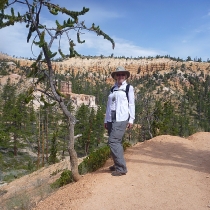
{"x":112,"y":168}
{"x":117,"y":173}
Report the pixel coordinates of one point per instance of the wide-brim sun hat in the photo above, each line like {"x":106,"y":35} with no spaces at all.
{"x":120,"y":69}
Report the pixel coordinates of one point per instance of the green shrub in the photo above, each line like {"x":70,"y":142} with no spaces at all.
{"x":95,"y":160}
{"x":3,"y":72}
{"x":10,"y":176}
{"x":66,"y":178}
{"x":126,"y":145}
{"x":30,"y":165}
{"x":55,"y":172}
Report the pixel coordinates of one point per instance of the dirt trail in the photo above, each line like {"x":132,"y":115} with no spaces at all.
{"x":165,"y":173}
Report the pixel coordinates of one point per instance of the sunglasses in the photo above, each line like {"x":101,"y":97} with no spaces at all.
{"x":120,"y":75}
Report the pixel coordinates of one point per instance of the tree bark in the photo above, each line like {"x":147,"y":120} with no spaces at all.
{"x":38,"y":142}
{"x":43,"y":144}
{"x":72,"y":153}
{"x":15,"y":145}
{"x":46,"y":136}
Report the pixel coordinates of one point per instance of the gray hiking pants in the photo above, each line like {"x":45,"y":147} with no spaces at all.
{"x":116,"y":131}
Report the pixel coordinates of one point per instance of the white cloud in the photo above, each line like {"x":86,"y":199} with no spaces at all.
{"x":13,"y":42}
{"x":128,"y":48}
{"x":97,"y":45}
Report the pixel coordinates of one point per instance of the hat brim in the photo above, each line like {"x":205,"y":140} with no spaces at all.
{"x":126,"y":72}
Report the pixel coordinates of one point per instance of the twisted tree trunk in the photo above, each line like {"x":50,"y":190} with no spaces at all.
{"x":72,"y":153}
{"x":70,"y":119}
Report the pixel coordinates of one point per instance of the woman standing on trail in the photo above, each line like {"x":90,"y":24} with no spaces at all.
{"x":120,"y":113}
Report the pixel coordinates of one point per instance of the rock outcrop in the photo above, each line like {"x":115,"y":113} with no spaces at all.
{"x":136,"y":67}
{"x":77,"y":99}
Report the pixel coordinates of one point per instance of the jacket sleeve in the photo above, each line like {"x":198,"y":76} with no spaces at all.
{"x":131,"y":104}
{"x":107,"y":112}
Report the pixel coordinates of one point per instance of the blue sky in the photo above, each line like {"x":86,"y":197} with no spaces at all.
{"x":179,"y":28}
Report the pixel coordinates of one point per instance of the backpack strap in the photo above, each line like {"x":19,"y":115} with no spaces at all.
{"x":112,"y":89}
{"x":126,"y":90}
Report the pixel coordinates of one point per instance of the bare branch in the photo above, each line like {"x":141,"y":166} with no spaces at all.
{"x":42,"y":91}
{"x":77,"y":136}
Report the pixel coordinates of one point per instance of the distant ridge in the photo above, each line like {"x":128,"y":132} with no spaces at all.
{"x":137,"y":66}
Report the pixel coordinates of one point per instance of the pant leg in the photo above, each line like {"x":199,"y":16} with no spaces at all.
{"x":116,"y":131}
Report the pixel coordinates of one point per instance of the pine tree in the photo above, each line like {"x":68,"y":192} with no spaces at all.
{"x":15,"y":115}
{"x":53,"y":149}
{"x":83,"y":127}
{"x":98,"y":126}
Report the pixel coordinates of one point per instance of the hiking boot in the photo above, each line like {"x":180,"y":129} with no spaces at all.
{"x":112,"y":168}
{"x":117,"y":173}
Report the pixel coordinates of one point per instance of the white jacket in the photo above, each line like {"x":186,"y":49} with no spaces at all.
{"x":117,"y":101}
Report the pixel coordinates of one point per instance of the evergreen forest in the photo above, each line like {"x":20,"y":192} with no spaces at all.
{"x":32,"y":138}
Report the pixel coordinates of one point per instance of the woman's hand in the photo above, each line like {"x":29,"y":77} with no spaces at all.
{"x":105,"y":126}
{"x":130,"y":125}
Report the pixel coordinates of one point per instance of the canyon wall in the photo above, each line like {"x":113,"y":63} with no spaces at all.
{"x":136,"y":67}
{"x":107,"y":65}
{"x":103,"y":67}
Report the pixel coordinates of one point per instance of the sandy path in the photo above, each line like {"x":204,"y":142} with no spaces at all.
{"x":165,"y":173}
